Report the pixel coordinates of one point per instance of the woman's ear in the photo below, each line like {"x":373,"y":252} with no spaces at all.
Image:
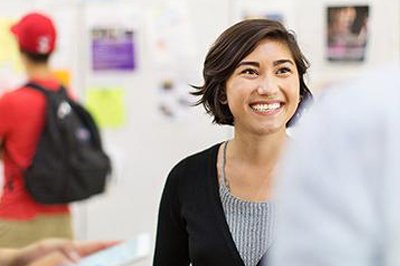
{"x":223,"y":99}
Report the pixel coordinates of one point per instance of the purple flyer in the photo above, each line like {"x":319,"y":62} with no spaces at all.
{"x":113,"y":49}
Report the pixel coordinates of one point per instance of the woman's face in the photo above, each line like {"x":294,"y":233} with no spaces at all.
{"x":264,"y":90}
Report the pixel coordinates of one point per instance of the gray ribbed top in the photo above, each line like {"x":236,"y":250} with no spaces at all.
{"x":251,"y":223}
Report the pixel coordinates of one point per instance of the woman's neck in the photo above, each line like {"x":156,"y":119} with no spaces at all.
{"x":257,"y":149}
{"x":250,"y":164}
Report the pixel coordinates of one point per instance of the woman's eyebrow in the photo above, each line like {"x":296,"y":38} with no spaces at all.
{"x":257,"y":64}
{"x":283,"y":61}
{"x":249,"y":63}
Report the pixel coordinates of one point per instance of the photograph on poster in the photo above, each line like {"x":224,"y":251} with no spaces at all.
{"x":174,"y":99}
{"x":113,"y":48}
{"x":347,"y":33}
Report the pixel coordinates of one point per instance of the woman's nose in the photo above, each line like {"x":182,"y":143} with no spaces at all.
{"x":268,"y":86}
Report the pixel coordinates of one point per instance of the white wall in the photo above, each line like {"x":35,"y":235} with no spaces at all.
{"x":147,"y":147}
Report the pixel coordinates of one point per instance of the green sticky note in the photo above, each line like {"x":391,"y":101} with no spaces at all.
{"x":107,"y":106}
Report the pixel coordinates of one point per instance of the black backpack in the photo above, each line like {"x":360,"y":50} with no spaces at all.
{"x":69,"y":163}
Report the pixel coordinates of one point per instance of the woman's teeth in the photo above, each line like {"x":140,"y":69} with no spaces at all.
{"x":265,"y":107}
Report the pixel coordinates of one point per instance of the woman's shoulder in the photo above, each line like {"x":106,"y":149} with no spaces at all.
{"x":204,"y":155}
{"x":196,"y":163}
{"x":190,"y":174}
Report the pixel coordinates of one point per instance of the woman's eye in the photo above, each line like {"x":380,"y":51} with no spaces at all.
{"x":249,"y":71}
{"x":284,"y":70}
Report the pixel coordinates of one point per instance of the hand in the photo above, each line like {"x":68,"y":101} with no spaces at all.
{"x":54,"y":252}
{"x":55,"y":258}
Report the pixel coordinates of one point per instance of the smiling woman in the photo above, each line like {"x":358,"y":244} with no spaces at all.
{"x":216,"y":207}
{"x":264,"y":87}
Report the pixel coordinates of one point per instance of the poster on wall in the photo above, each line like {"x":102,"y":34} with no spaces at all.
{"x":113,"y":41}
{"x":107,"y":105}
{"x":281,"y":11}
{"x":113,"y":48}
{"x":249,"y":13}
{"x":347,"y":33}
{"x":9,"y":49}
{"x":171,"y":37}
{"x":271,"y":15}
{"x":175,"y":101}
{"x":11,"y":70}
{"x":172,"y":40}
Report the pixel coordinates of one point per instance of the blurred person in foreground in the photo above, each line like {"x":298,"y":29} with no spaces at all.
{"x":22,"y":113}
{"x":339,"y":189}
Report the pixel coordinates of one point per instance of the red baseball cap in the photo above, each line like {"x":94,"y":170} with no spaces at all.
{"x":35,"y":33}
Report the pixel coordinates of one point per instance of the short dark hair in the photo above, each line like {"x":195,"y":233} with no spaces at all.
{"x":229,"y":49}
{"x":36,"y":58}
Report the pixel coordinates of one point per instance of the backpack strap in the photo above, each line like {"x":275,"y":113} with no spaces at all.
{"x":35,"y":86}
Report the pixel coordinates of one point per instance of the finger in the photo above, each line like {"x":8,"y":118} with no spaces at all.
{"x":40,"y":249}
{"x":64,"y":246}
{"x":55,"y":258}
{"x":71,"y":252}
{"x":87,"y":248}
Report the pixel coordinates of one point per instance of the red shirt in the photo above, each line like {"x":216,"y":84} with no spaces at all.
{"x":22,"y":114}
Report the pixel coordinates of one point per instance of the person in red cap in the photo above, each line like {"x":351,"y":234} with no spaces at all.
{"x":22,"y":219}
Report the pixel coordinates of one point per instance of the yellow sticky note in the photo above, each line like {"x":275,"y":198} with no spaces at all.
{"x":8,"y":46}
{"x":107,"y":106}
{"x":64,"y":76}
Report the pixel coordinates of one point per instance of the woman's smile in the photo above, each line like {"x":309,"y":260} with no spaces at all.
{"x":267,"y":108}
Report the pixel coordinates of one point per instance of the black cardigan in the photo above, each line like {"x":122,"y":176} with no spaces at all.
{"x":191,"y":222}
